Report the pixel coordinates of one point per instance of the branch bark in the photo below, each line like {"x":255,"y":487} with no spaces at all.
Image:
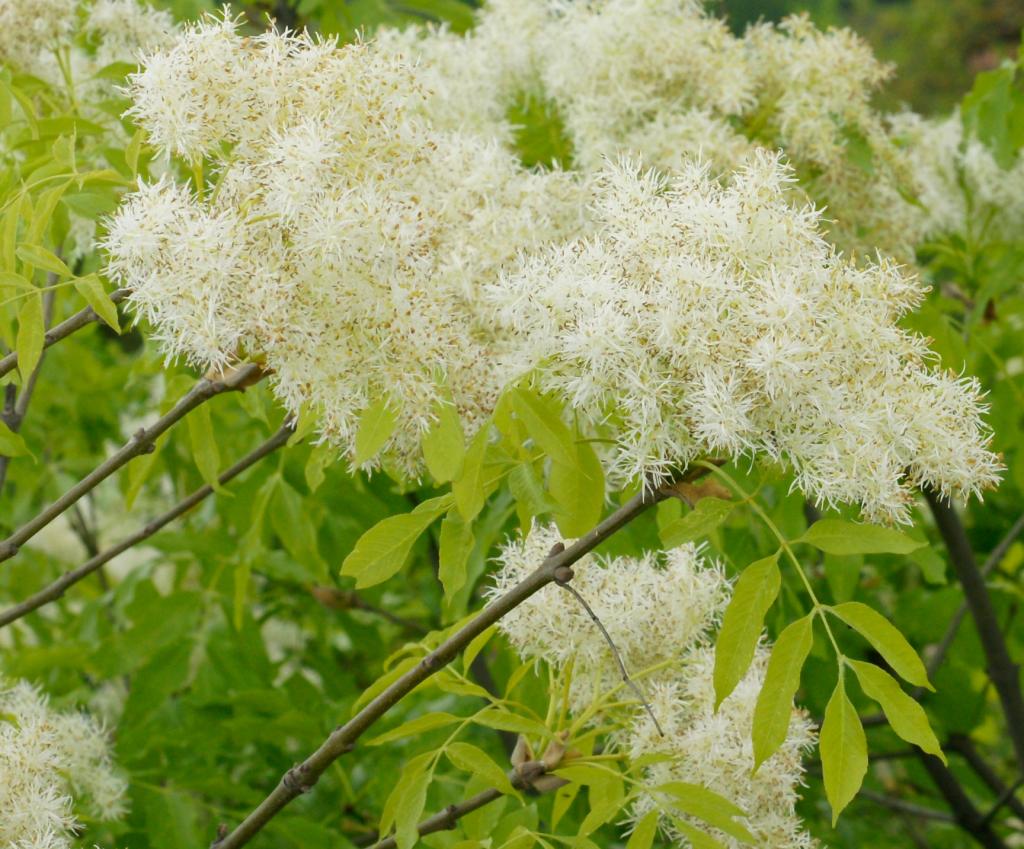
{"x":70,"y":325}
{"x":302,"y":777}
{"x":1004,"y":673}
{"x":68,"y":579}
{"x":968,"y":817}
{"x":141,"y":443}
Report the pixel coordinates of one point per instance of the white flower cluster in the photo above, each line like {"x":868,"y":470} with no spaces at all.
{"x":47,"y":761}
{"x":701,"y":318}
{"x":368,"y":254}
{"x":345,"y":238}
{"x":660,"y":610}
{"x":91,"y":35}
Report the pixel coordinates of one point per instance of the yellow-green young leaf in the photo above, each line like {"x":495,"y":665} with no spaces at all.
{"x":39,"y":257}
{"x":444,"y":445}
{"x":467,"y":757}
{"x":204,"y":445}
{"x":376,"y":424}
{"x":844,"y":751}
{"x":698,"y":839}
{"x":698,"y":801}
{"x":11,"y":443}
{"x":427,"y":722}
{"x":505,"y":721}
{"x":774,"y":707}
{"x":709,"y":513}
{"x":42,"y":215}
{"x":138,"y":472}
{"x":525,"y":485}
{"x":131,"y":153}
{"x":404,"y":806}
{"x":564,"y":797}
{"x":905,"y":715}
{"x":520,"y":838}
{"x":886,"y":640}
{"x":754,"y":593}
{"x":11,"y":282}
{"x":644,"y":831}
{"x":243,"y":572}
{"x":382,"y":550}
{"x":606,"y":798}
{"x":385,"y":681}
{"x":456,"y":544}
{"x":303,"y":423}
{"x":9,"y":235}
{"x":543,"y":422}
{"x":834,"y":536}
{"x":29,"y":342}
{"x":319,"y":459}
{"x":469,"y":487}
{"x":476,"y":646}
{"x":64,"y":151}
{"x":96,"y":297}
{"x":578,"y":489}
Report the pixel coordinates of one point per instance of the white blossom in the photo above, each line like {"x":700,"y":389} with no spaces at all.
{"x":50,"y":764}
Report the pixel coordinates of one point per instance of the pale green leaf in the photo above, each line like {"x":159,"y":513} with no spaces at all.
{"x":455,"y":546}
{"x":319,"y":459}
{"x":444,"y":445}
{"x":404,"y":806}
{"x":131,"y":153}
{"x":835,"y":536}
{"x":753,"y":595}
{"x":427,"y":722}
{"x":698,"y":801}
{"x":39,"y":257}
{"x":544,"y":424}
{"x":469,"y":488}
{"x":31,"y":333}
{"x":505,"y":721}
{"x":383,"y":549}
{"x":11,"y":443}
{"x":606,"y":796}
{"x":905,"y":715}
{"x":468,"y":757}
{"x":644,"y":831}
{"x":698,"y":839}
{"x":204,"y":445}
{"x":774,"y":707}
{"x":844,"y":751}
{"x":886,"y":640}
{"x":96,"y":297}
{"x":376,"y":424}
{"x":578,"y":489}
{"x":709,"y":513}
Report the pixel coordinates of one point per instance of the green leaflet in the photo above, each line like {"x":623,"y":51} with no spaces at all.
{"x":444,"y":445}
{"x":376,"y":424}
{"x":885,"y":639}
{"x":714,"y":809}
{"x":455,"y":546}
{"x":383,"y":549}
{"x":11,"y":443}
{"x":782,"y":679}
{"x":835,"y":536}
{"x":96,"y":297}
{"x":37,"y":256}
{"x":844,"y":752}
{"x":644,"y":831}
{"x":469,"y":488}
{"x":29,"y":344}
{"x":755,"y":592}
{"x":707,"y":515}
{"x":204,"y":445}
{"x":473,"y":760}
{"x":905,"y":715}
{"x":405,"y":804}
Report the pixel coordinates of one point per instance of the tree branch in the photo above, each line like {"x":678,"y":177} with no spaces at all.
{"x":302,"y":777}
{"x":894,"y":804}
{"x":76,"y":322}
{"x":964,"y":813}
{"x":530,"y":776}
{"x":1003,"y":672}
{"x":141,"y":443}
{"x":964,"y":746}
{"x":58,"y":587}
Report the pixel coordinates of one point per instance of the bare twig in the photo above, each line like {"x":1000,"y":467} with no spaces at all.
{"x":1004,"y":673}
{"x":335,"y":599}
{"x":141,"y":443}
{"x":530,"y":776}
{"x":302,"y":777}
{"x":964,"y":746}
{"x":964,"y":813}
{"x":629,"y":682}
{"x":1004,"y":799}
{"x":904,"y":807}
{"x":76,"y":322}
{"x":58,"y":587}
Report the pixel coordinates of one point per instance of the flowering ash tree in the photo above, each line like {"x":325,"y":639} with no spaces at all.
{"x":593,"y":340}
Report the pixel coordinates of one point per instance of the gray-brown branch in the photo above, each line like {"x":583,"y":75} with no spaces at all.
{"x":55,"y":590}
{"x":1003,"y":672}
{"x":76,"y":322}
{"x":143,"y":442}
{"x":302,"y":777}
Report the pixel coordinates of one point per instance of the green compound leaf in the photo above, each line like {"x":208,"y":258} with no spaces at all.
{"x":468,"y":757}
{"x":774,"y":707}
{"x":753,"y":595}
{"x":844,"y":751}
{"x":707,"y":515}
{"x":885,"y":639}
{"x":906,"y":717}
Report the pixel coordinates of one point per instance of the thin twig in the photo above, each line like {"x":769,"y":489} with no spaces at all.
{"x":530,"y":776}
{"x":964,"y":813}
{"x":904,"y":807}
{"x":565,"y":585}
{"x":143,"y":442}
{"x":1003,"y":672}
{"x":58,"y":587}
{"x":76,"y":322}
{"x":302,"y":777}
{"x":964,"y":746}
{"x":1004,"y":799}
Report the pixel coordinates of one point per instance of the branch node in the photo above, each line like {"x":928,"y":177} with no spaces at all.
{"x":563,"y":574}
{"x":556,"y":549}
{"x":297,"y":780}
